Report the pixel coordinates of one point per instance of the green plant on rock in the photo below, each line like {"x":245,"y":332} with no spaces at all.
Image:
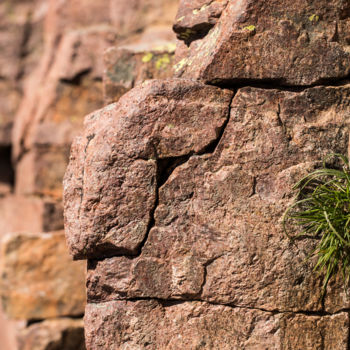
{"x":322,"y":210}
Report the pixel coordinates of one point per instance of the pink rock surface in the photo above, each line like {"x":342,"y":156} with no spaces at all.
{"x":217,"y":233}
{"x":285,"y":42}
{"x":117,"y":158}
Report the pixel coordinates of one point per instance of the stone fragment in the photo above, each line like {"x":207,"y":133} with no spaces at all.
{"x":53,"y":334}
{"x":38,"y":278}
{"x":195,"y":18}
{"x":298,"y":43}
{"x":129,"y":65}
{"x":111,"y":182}
{"x":152,"y":325}
{"x":19,"y":213}
{"x":217,"y":233}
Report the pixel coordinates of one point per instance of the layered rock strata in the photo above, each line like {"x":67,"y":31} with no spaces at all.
{"x":175,"y":194}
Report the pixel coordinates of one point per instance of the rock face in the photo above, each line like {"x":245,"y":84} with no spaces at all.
{"x":39,"y":279}
{"x":122,"y":143}
{"x":286,"y":42}
{"x":215,"y":243}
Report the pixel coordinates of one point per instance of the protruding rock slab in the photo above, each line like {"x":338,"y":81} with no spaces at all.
{"x":55,"y":334}
{"x":293,"y":42}
{"x":38,"y":277}
{"x":195,"y":325}
{"x":111,"y":182}
{"x":217,"y":234}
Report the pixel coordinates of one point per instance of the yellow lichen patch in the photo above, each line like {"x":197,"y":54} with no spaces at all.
{"x":163,"y":62}
{"x":314,"y":18}
{"x":250,"y":28}
{"x":195,"y":11}
{"x":147,"y":57}
{"x":180,"y":65}
{"x":180,"y":19}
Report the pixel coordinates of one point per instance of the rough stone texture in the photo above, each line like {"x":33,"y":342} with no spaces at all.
{"x":38,"y":278}
{"x":217,"y":233}
{"x":55,"y":334}
{"x":287,"y":42}
{"x":29,"y":214}
{"x":115,"y":161}
{"x":152,"y":325}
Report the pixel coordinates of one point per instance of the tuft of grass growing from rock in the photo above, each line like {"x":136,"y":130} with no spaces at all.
{"x":322,"y":210}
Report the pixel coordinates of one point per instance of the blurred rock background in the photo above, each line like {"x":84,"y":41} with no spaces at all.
{"x":59,"y":61}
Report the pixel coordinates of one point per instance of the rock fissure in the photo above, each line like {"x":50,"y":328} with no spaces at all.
{"x":276,"y":85}
{"x":171,"y":302}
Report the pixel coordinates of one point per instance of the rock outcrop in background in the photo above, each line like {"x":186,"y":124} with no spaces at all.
{"x":175,"y":194}
{"x":52,"y":68}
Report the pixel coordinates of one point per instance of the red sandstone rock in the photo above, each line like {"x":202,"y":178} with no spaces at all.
{"x":54,"y":334}
{"x":38,"y":278}
{"x":217,"y":234}
{"x":193,"y":325}
{"x":287,"y":42}
{"x":115,"y":161}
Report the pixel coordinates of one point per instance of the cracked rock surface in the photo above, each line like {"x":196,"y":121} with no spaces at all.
{"x":111,"y":183}
{"x":176,"y":195}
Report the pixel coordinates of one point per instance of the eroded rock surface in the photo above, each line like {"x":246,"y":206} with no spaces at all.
{"x":286,"y":42}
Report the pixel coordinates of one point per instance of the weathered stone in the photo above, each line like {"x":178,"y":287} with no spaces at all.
{"x":55,"y":334}
{"x":38,"y":278}
{"x":289,"y":43}
{"x":195,"y":18}
{"x":217,"y":232}
{"x":127,"y":66}
{"x":19,"y":213}
{"x":195,"y":325}
{"x":117,"y":157}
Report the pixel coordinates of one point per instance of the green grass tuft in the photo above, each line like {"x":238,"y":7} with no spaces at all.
{"x":322,"y":210}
